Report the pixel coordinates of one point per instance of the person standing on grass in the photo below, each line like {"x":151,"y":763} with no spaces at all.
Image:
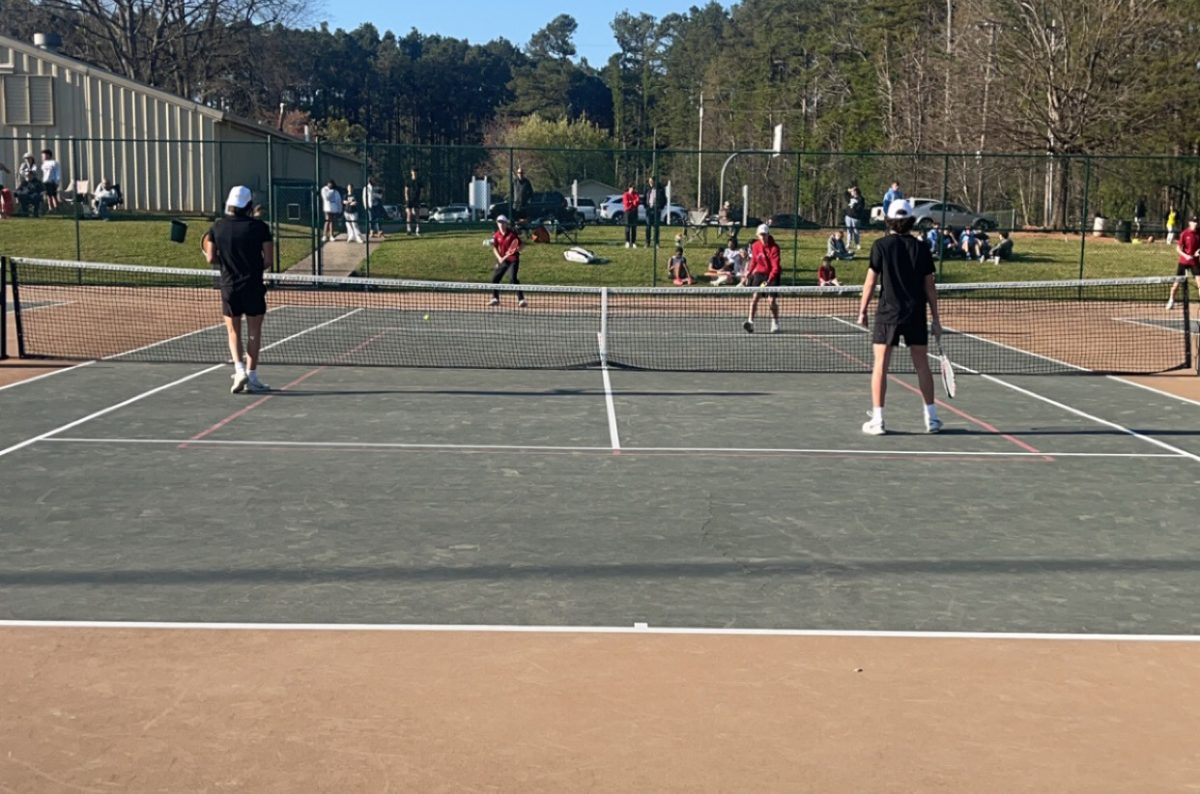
{"x":412,"y":202}
{"x":1189,"y":259}
{"x":655,"y":199}
{"x":51,"y":178}
{"x":765,"y":270}
{"x":1172,"y":220}
{"x":522,"y":195}
{"x":506,"y":247}
{"x":904,"y":267}
{"x":630,"y":201}
{"x":372,"y":201}
{"x":894,"y":192}
{"x":855,"y":205}
{"x":242,"y":246}
{"x":331,"y":205}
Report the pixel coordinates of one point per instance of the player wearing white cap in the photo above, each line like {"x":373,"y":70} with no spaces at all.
{"x":903,"y":265}
{"x":242,"y":246}
{"x":764,"y":270}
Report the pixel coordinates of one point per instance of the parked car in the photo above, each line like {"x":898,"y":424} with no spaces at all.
{"x":790,"y":221}
{"x":586,"y":210}
{"x":395,"y":212}
{"x":452,"y":213}
{"x":550,"y":205}
{"x":929,"y":211}
{"x":613,"y":211}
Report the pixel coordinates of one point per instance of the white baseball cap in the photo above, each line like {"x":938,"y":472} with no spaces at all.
{"x":899,"y":208}
{"x":501,"y":219}
{"x":763,"y":229}
{"x":238,"y":197}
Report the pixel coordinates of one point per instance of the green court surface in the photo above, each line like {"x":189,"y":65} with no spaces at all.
{"x":594,"y":497}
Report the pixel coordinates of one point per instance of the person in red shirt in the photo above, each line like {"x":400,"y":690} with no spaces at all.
{"x":1189,"y":259}
{"x":630,"y":200}
{"x":764,"y":270}
{"x":826,"y":275}
{"x":506,"y":247}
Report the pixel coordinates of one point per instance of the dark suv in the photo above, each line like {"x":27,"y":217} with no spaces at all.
{"x":550,"y":205}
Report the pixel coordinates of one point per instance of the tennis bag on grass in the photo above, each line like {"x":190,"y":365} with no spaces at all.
{"x":583,"y":256}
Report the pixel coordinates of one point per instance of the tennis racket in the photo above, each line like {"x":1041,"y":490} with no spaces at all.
{"x":947,"y":370}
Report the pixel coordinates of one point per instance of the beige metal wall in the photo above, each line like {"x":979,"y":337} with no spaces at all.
{"x":168,"y":154}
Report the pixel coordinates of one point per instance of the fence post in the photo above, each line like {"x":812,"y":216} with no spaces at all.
{"x":271,"y":202}
{"x":945,"y":190}
{"x":796,"y":233}
{"x":364,"y":212}
{"x":75,"y":170}
{"x":319,"y":249}
{"x":4,"y":317}
{"x":1087,"y":184}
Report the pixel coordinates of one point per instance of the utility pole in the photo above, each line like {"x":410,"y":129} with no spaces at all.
{"x":700,"y":152}
{"x":983,"y":124}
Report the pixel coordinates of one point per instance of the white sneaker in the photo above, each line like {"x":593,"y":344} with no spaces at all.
{"x":256,"y":386}
{"x":774,"y":327}
{"x":933,"y":425}
{"x":1170,"y":304}
{"x":494,"y":302}
{"x":748,"y":326}
{"x":874,"y":427}
{"x":240,"y":379}
{"x":626,"y":245}
{"x":521,"y":304}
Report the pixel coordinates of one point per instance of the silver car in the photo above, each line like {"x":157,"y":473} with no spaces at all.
{"x":929,"y":212}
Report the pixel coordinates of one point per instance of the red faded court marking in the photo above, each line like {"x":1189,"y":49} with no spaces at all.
{"x":956,"y":411}
{"x":242,"y":412}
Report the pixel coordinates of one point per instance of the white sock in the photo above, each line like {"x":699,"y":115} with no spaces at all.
{"x":252,"y":374}
{"x":239,"y":368}
{"x":877,"y":413}
{"x":931,"y":411}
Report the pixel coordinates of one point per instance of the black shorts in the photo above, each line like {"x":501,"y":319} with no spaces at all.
{"x":762,"y":280}
{"x":1185,"y":270}
{"x":250,"y":301}
{"x":915,"y":333}
{"x":333,"y":217}
{"x":51,"y":189}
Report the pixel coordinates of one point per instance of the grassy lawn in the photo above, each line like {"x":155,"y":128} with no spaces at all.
{"x":124,"y":239}
{"x":457,"y":253}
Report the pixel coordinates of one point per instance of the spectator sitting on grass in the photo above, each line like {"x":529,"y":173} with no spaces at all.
{"x":104,"y":199}
{"x":678,"y":268}
{"x":827,"y":274}
{"x":1003,"y":250}
{"x":835,"y":247}
{"x":717,"y":266}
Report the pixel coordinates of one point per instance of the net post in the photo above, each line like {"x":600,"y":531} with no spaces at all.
{"x":1188,"y":360}
{"x":16,"y":295}
{"x":4,"y":297}
{"x":602,"y":334}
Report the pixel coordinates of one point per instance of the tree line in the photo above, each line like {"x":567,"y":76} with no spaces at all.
{"x":1061,"y":76}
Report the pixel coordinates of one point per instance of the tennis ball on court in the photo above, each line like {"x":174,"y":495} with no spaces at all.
{"x":426,"y":318}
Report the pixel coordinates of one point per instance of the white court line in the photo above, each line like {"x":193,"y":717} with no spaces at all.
{"x":58,"y":371}
{"x":155,"y":390}
{"x":1179,"y":397}
{"x":1149,"y":440}
{"x":638,"y":628}
{"x":1148,"y":324}
{"x":368,"y":445}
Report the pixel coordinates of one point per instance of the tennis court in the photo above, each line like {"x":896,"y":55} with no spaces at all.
{"x":589,"y":542}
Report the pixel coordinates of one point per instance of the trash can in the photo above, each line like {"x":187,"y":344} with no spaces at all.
{"x":1099,"y":224}
{"x":1124,"y":231}
{"x":178,"y":231}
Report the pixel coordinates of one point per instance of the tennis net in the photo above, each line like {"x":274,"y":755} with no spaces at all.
{"x":76,"y":310}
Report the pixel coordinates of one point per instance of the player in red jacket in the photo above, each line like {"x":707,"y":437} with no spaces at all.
{"x":764,"y":270}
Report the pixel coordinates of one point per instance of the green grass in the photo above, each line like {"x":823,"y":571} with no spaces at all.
{"x":456,"y":253}
{"x":124,"y":239}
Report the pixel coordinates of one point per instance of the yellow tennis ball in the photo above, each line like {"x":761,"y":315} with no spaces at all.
{"x":427,"y":318}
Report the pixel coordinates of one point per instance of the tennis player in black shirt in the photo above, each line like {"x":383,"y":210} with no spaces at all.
{"x":242,"y":246}
{"x":903,"y":266}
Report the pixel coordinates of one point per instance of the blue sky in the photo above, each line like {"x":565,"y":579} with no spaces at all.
{"x":480,"y":22}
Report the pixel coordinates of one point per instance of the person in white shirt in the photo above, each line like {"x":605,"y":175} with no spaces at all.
{"x":331,"y":205}
{"x":350,"y":211}
{"x":51,"y":177}
{"x":104,"y":199}
{"x":372,"y":200}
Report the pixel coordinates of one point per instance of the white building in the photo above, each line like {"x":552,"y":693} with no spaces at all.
{"x":169,"y":154}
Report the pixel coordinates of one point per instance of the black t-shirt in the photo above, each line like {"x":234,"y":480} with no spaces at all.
{"x":238,"y":242}
{"x":412,"y":192}
{"x":901,"y":262}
